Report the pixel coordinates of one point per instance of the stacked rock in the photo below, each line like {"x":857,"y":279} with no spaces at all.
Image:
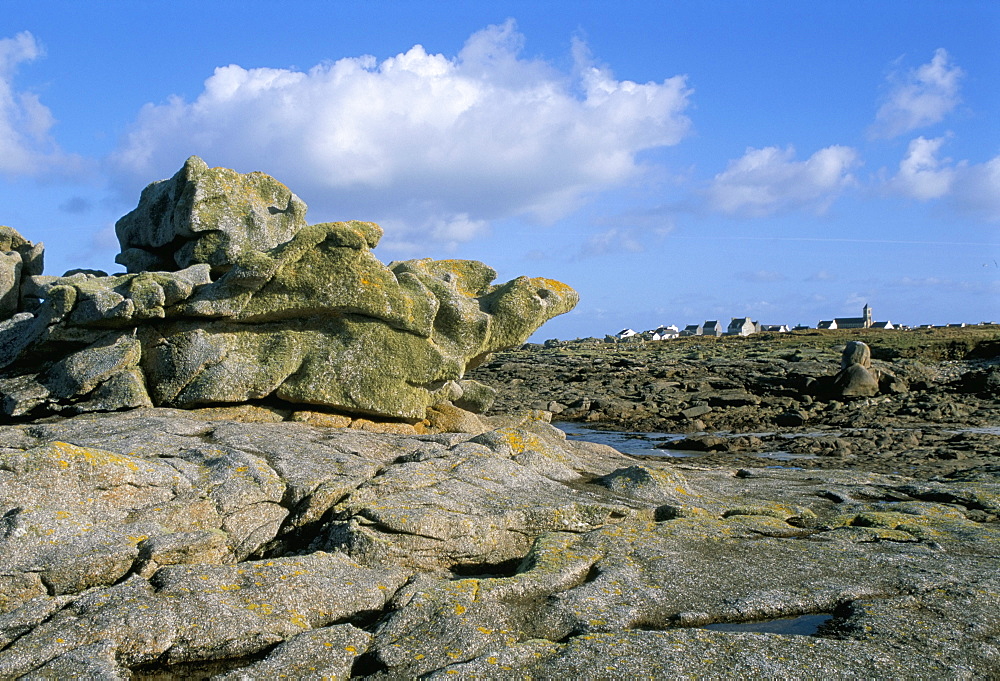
{"x":231,"y":297}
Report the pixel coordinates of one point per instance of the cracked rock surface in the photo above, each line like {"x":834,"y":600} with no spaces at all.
{"x":159,"y":543}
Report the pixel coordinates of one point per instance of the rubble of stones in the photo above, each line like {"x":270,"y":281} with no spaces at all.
{"x":737,"y":401}
{"x":163,"y":543}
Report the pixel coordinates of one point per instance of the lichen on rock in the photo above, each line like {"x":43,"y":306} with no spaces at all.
{"x":230,"y":297}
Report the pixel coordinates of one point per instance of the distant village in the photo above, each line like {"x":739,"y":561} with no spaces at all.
{"x":744,"y":326}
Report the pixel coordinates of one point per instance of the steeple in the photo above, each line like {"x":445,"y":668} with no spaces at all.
{"x":866,"y":312}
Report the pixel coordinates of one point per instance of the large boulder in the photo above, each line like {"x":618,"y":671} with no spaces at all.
{"x":857,"y":378}
{"x":232,"y":297}
{"x":207,"y":215}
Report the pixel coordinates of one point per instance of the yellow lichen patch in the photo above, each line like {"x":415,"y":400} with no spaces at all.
{"x":65,"y":455}
{"x":260,"y":608}
{"x":554,"y":286}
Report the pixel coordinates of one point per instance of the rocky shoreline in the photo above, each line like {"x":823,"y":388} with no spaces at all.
{"x":261,"y":453}
{"x":738,"y":398}
{"x":161,"y":544}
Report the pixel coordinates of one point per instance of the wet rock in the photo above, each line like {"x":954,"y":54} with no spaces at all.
{"x":695,"y":412}
{"x":791,"y":419}
{"x":698,"y":443}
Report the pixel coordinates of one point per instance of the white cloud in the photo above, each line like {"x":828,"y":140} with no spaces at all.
{"x":449,"y":231}
{"x":972,"y":189}
{"x":769,"y":180}
{"x":920,"y":97}
{"x":977,"y":191}
{"x":437,"y":145}
{"x":25,"y":145}
{"x":922,"y":175}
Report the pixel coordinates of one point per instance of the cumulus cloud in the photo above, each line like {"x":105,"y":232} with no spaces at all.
{"x":440,"y":146}
{"x":770,"y":180}
{"x":922,"y":175}
{"x":972,"y":189}
{"x":26,"y":146}
{"x":919,"y":97}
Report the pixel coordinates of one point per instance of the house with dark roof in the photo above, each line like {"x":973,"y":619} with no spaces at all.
{"x":862,"y":322}
{"x":692,"y":330}
{"x":741,"y":326}
{"x":711,"y":328}
{"x":665,"y":333}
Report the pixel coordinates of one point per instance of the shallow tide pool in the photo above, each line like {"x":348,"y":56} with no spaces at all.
{"x":644,"y":444}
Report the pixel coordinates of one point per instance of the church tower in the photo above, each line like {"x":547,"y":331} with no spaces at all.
{"x":866,"y":313}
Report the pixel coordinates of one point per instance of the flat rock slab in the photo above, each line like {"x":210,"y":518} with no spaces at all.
{"x":157,"y":542}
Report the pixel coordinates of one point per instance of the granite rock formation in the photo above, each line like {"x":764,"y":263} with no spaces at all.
{"x":231,"y":296}
{"x":165,"y":543}
{"x":856,"y":378}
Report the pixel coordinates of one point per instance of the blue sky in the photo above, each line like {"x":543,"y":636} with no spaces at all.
{"x":672,"y":161}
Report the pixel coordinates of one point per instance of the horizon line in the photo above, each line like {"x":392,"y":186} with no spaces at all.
{"x":830,"y":239}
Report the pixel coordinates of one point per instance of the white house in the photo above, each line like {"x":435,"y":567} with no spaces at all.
{"x":741,"y":326}
{"x":778,"y":328}
{"x":829,"y":324}
{"x":625,"y":333}
{"x":665,"y":333}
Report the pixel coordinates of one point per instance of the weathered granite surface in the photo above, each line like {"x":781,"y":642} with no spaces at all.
{"x":171,"y":542}
{"x":231,"y":296}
